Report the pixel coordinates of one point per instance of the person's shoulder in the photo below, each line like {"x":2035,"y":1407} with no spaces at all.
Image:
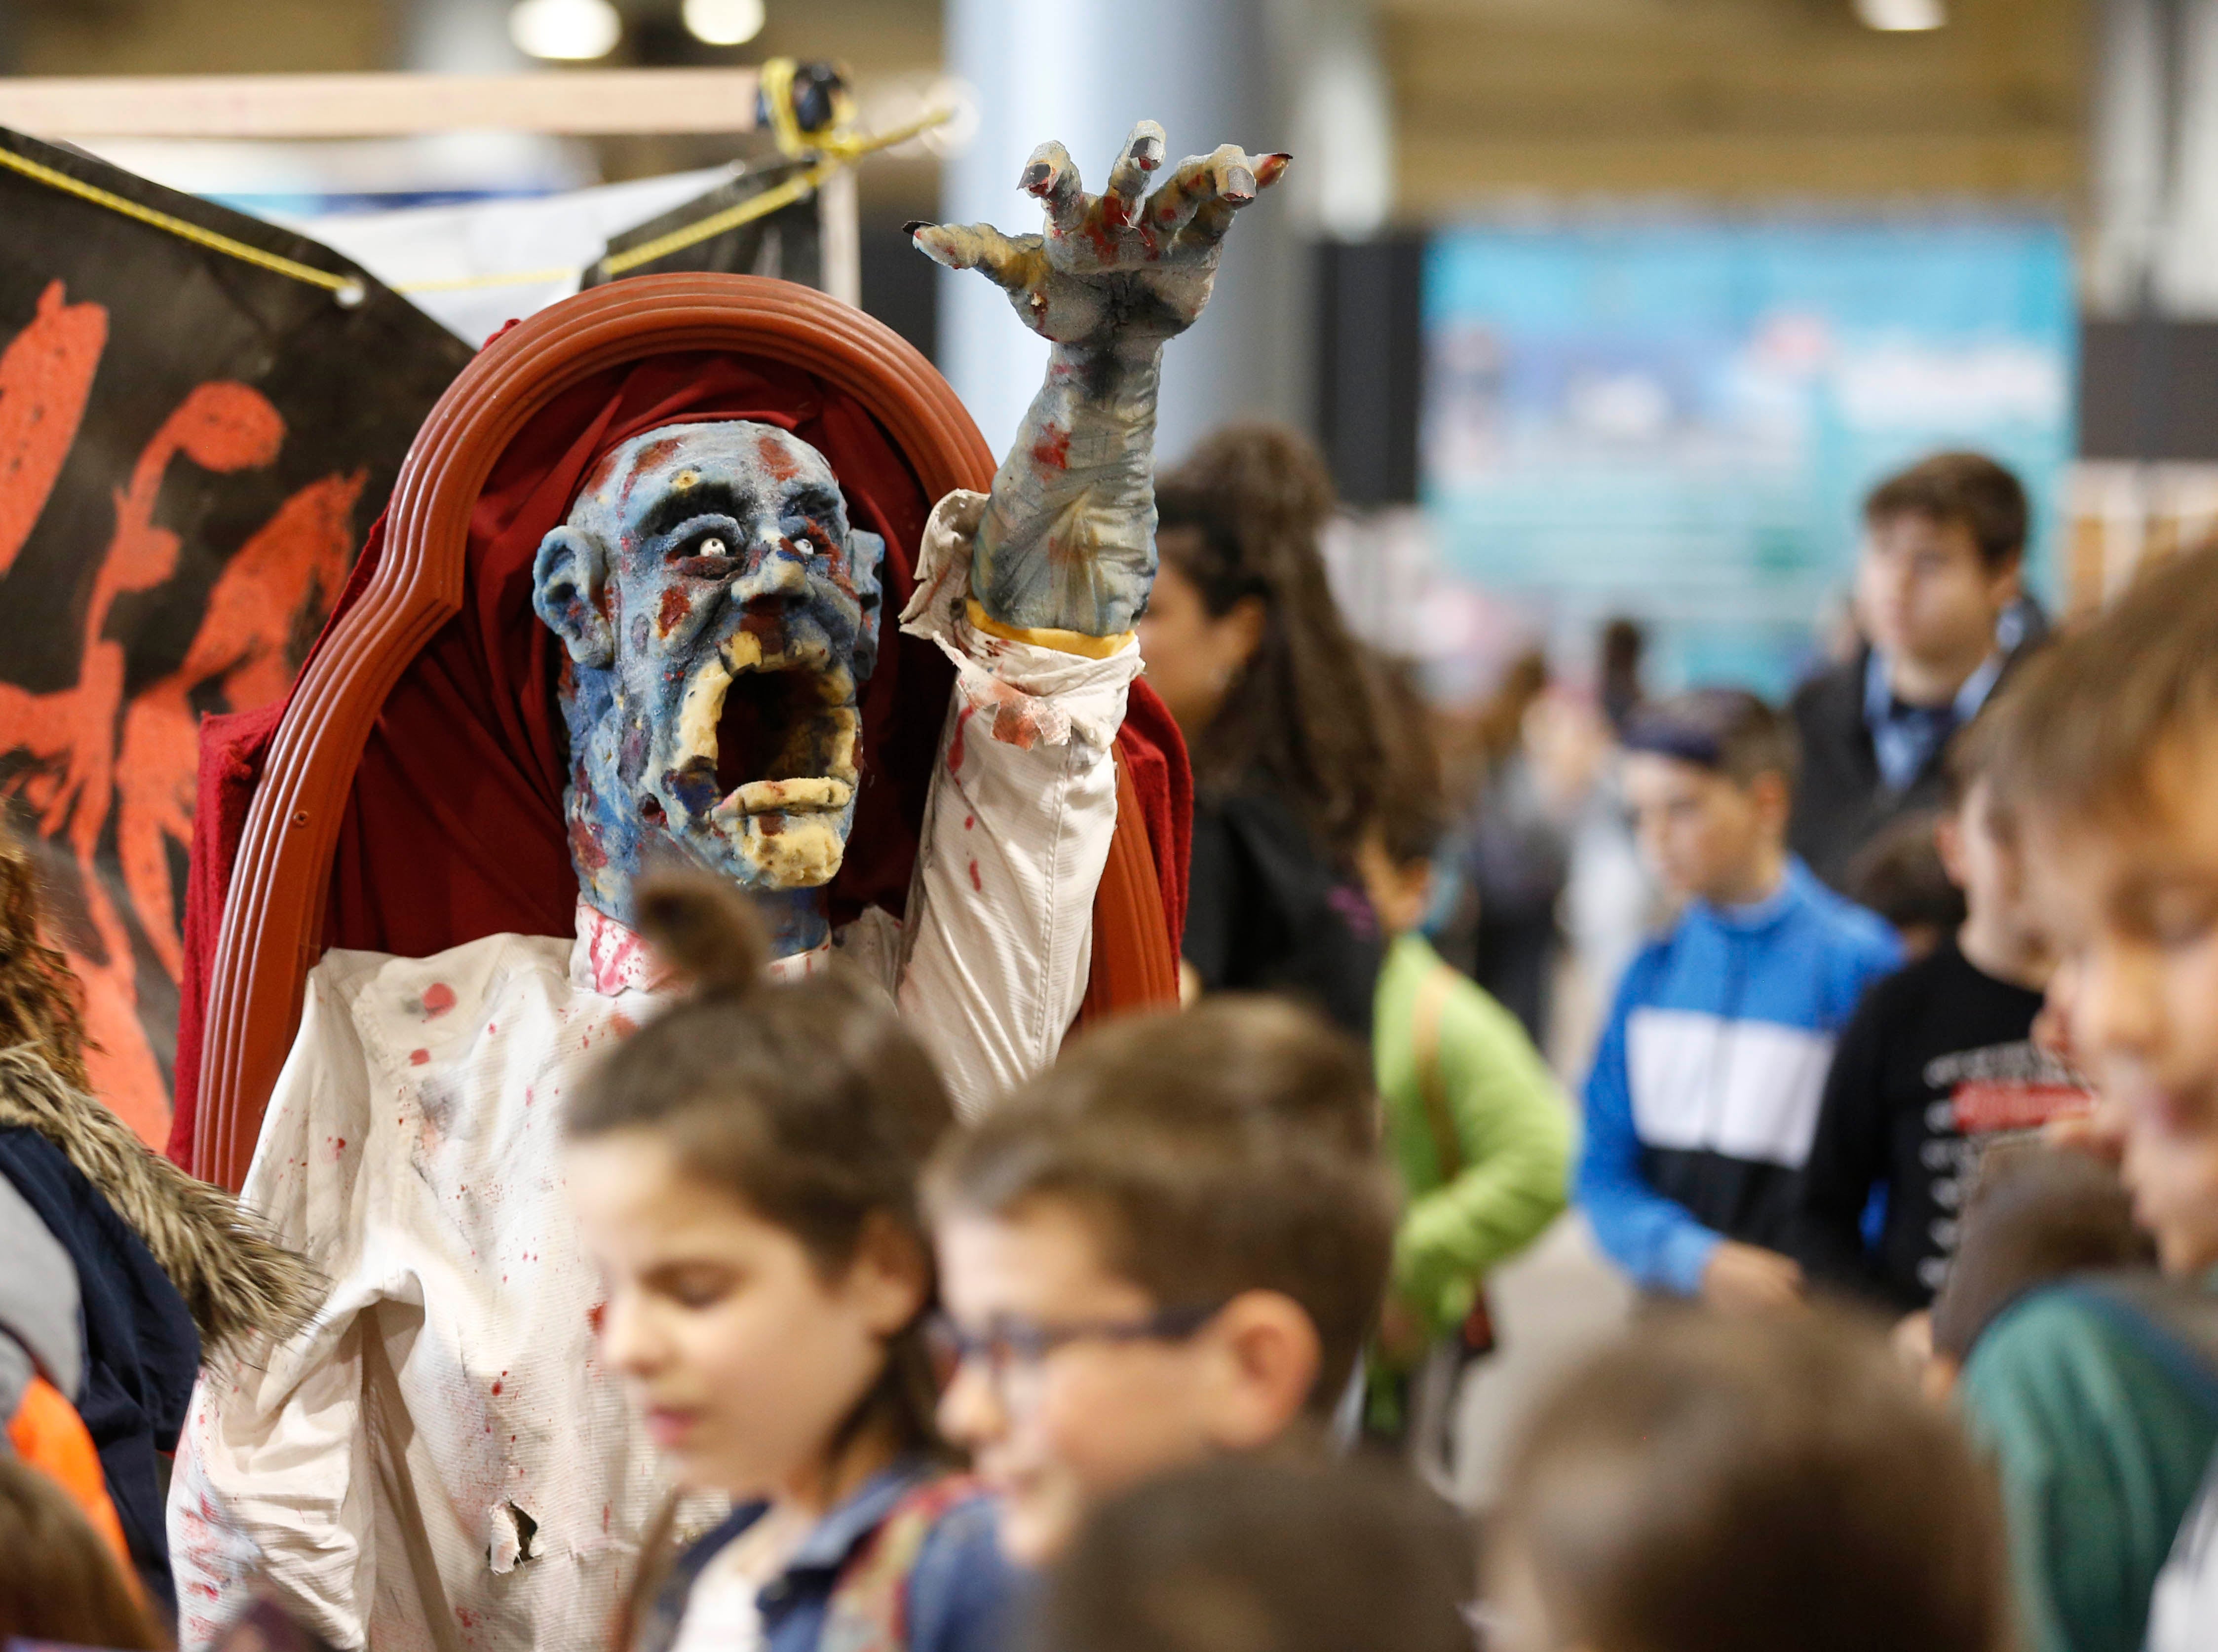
{"x":960,"y":1514}
{"x":960,"y":1586}
{"x":1652,"y":963}
{"x":1865,"y":937}
{"x":2065,"y":1343}
{"x":1478,"y":1018}
{"x":1824,"y":693}
{"x":1898,"y":990}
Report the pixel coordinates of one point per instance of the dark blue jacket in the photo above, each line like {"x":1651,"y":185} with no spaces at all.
{"x":141,"y":1350}
{"x":956,"y":1597}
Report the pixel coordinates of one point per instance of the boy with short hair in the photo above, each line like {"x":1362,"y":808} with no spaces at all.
{"x":1944,"y":546}
{"x":1938,"y":1059}
{"x":1704,"y":1093}
{"x":2101,"y":1400}
{"x":1704,"y":1484}
{"x":1265,"y":1553}
{"x":1170,"y":1246}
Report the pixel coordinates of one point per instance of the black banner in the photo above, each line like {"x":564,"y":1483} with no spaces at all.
{"x":191,"y":448}
{"x":784,"y":243}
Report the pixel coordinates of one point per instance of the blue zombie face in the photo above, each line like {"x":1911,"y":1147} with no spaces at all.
{"x":719,"y":614}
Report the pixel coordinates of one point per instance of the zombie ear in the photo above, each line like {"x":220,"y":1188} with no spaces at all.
{"x":566,"y":580}
{"x":866,"y":556}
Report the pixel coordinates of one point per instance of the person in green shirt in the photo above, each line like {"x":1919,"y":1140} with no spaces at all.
{"x":1478,"y":1127}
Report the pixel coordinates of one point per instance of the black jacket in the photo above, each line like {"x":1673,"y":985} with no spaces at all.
{"x":141,"y":1350}
{"x":1840,"y":803}
{"x":1266,"y":910}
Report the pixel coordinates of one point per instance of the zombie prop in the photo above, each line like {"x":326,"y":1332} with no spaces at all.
{"x":439,"y":1460}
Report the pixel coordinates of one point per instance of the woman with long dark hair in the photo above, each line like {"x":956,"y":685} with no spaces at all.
{"x":1244,"y":642}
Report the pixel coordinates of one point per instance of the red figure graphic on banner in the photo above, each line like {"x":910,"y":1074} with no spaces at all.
{"x":93,"y":758}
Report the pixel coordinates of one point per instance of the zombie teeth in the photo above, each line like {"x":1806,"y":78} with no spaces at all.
{"x":803,"y":796}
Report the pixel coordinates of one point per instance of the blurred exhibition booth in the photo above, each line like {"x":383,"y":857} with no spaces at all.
{"x":1599,"y":306}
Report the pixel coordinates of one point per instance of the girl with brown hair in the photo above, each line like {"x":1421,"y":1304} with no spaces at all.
{"x":58,"y":1581}
{"x":1245,"y":644}
{"x":744,"y":1171}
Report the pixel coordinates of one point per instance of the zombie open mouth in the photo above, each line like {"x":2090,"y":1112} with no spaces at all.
{"x":766,"y":735}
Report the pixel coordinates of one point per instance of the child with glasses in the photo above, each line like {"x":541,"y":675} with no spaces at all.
{"x":1170,"y":1246}
{"x":743,"y":1169}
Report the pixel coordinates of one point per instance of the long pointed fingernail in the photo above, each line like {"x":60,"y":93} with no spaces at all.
{"x":1036,"y":176}
{"x":1239,"y":184}
{"x":1268,"y":169}
{"x":914,"y":224}
{"x":1147,"y":153}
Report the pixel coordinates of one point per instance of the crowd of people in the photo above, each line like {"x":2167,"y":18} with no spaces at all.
{"x":1904,"y":1127}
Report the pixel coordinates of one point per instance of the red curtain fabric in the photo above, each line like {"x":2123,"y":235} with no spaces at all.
{"x":454,"y":829}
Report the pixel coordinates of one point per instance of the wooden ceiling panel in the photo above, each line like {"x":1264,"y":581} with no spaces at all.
{"x":1732,"y":98}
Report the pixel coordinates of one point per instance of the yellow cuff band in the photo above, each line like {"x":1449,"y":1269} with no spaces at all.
{"x":1068,"y":642}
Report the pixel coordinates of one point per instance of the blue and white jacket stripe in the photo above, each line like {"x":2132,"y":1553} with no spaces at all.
{"x":1703,"y":1098}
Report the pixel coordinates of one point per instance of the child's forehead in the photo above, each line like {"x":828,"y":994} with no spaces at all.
{"x":1919,"y":523}
{"x":1667,"y":772}
{"x":1056,"y":1240}
{"x":2130,"y":849}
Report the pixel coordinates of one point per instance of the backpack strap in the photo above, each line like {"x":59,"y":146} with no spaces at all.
{"x":1432,"y":1085}
{"x":868,"y":1610}
{"x":2175,"y":1324}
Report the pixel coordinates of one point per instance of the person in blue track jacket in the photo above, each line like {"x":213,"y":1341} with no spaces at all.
{"x":1704,"y":1095}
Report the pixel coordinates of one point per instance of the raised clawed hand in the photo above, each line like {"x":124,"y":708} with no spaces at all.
{"x":1067,"y":541}
{"x":1114,"y":271}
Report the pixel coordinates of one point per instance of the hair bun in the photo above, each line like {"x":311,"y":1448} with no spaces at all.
{"x":706,"y":930}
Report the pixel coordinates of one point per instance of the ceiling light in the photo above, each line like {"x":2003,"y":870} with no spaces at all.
{"x":1901,"y":16}
{"x":723,"y":22}
{"x":569,"y":29}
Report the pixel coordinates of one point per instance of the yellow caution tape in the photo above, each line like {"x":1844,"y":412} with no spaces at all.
{"x":836,"y":149}
{"x":339,"y":284}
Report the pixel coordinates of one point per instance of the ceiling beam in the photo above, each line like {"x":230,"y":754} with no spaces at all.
{"x":577,"y":103}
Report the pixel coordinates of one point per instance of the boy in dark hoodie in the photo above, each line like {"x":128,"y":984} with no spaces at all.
{"x":1704,"y":1093}
{"x":1939,"y":1061}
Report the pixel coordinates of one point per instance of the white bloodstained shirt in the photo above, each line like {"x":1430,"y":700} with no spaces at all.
{"x":440,"y":1461}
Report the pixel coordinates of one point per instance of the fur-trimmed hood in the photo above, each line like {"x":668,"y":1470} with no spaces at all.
{"x":240,"y":1283}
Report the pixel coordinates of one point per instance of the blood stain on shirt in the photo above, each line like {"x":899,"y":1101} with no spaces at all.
{"x":418,"y":1057}
{"x":438,"y":998}
{"x":955,"y":745}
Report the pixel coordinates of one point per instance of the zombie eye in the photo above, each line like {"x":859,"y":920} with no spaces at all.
{"x":711,"y":547}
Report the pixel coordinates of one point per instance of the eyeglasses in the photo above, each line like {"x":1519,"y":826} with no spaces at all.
{"x":1010,"y":1348}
